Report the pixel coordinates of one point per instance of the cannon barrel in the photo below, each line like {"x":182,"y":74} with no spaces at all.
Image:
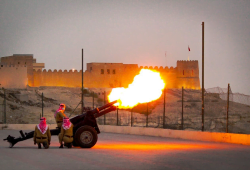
{"x":110,"y":109}
{"x":107,"y":105}
{"x":97,"y":112}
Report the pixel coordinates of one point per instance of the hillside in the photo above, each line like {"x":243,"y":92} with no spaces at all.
{"x":25,"y":106}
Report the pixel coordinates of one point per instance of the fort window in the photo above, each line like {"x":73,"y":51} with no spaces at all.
{"x":90,"y":68}
{"x":1,"y":65}
{"x":25,"y":63}
{"x":113,"y":71}
{"x":183,"y":72}
{"x":192,"y":72}
{"x":18,"y":62}
{"x":108,"y":71}
{"x":102,"y":71}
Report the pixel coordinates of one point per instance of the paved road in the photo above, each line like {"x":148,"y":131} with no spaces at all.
{"x":118,"y":151}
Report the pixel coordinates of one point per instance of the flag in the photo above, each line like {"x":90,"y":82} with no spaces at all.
{"x":188,"y":48}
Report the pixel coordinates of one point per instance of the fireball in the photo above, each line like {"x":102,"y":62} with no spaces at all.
{"x":146,"y":87}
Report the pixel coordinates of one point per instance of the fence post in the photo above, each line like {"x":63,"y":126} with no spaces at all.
{"x":227,"y":106}
{"x":202,"y":95}
{"x":4,"y":118}
{"x":164,"y":104}
{"x":104,"y":94}
{"x":131,"y":117}
{"x":147,"y":116}
{"x":182,"y":109}
{"x":117,"y":116}
{"x":93,"y":99}
{"x":42,"y":104}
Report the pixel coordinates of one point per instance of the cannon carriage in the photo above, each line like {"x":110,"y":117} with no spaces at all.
{"x":85,"y":128}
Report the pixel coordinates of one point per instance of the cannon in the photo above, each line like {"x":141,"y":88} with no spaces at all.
{"x":85,"y":128}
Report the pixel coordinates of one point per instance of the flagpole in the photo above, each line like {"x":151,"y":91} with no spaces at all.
{"x":188,"y":52}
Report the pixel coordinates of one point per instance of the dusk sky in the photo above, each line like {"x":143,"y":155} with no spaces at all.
{"x":133,"y":32}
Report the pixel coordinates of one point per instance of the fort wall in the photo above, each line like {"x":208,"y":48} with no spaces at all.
{"x":13,"y":76}
{"x":57,"y":78}
{"x":188,"y":74}
{"x":21,"y":60}
{"x":111,"y":75}
{"x":97,"y":75}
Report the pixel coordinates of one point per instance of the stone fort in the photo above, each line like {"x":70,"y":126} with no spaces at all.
{"x":20,"y":70}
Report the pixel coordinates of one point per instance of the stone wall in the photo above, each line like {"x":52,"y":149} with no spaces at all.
{"x":57,"y":78}
{"x":21,"y":60}
{"x":13,"y":76}
{"x":188,"y":74}
{"x":111,"y":75}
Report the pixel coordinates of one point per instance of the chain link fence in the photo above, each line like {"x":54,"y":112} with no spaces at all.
{"x":223,"y":112}
{"x":178,"y":109}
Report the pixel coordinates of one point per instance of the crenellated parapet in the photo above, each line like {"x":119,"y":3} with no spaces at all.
{"x":55,"y":71}
{"x":187,"y":61}
{"x":67,"y":78}
{"x":111,"y":75}
{"x":160,"y":69}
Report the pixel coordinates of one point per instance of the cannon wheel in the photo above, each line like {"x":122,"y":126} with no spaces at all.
{"x":86,"y":136}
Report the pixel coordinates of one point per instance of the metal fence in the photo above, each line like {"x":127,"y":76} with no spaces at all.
{"x":176,"y":109}
{"x":181,"y":110}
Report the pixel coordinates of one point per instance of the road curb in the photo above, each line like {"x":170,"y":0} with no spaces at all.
{"x":180,"y":134}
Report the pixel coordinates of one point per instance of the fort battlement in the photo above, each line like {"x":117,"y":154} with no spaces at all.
{"x":67,"y":78}
{"x":111,"y":75}
{"x":97,"y":75}
{"x":56,"y":71}
{"x":159,"y":69}
{"x":187,"y":60}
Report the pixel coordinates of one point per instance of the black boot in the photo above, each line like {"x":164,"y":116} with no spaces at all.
{"x":45,"y":145}
{"x":39,"y":145}
{"x":61,"y":146}
{"x":70,"y":145}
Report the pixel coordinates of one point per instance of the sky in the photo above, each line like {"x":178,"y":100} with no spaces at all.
{"x":133,"y":32}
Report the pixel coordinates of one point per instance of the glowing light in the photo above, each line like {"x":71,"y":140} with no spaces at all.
{"x":153,"y":147}
{"x":146,"y":87}
{"x":73,"y":69}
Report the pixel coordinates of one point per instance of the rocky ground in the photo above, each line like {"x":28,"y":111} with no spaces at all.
{"x":25,"y":106}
